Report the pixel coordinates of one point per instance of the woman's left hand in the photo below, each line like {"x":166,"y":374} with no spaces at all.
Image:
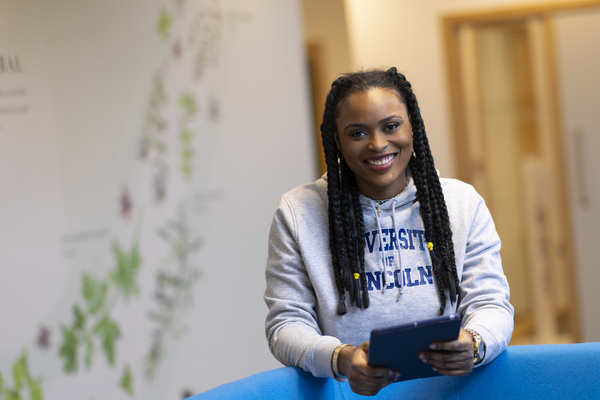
{"x":453,"y":358}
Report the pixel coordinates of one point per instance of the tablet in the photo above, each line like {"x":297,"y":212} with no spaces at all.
{"x":398,"y":347}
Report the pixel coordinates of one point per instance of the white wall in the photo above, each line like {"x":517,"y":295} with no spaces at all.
{"x":325,"y":25}
{"x":580,"y":88}
{"x":69,"y":159}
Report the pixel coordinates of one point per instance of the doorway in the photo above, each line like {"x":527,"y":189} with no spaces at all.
{"x":509,"y":145}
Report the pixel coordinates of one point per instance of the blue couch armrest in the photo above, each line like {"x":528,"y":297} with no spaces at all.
{"x":559,"y":371}
{"x":282,"y":383}
{"x":565,"y":371}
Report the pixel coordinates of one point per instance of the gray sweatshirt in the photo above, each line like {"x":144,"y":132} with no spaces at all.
{"x":302,"y":325}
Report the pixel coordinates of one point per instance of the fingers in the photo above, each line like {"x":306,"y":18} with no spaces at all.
{"x":364,"y":379}
{"x":370,"y":386}
{"x":453,"y":358}
{"x":453,"y":364}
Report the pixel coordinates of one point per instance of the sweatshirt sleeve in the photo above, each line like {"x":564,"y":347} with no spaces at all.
{"x":292,"y":330}
{"x":484,"y":295}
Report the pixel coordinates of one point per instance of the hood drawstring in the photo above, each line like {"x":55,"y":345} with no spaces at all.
{"x":398,"y":249}
{"x":376,"y":211}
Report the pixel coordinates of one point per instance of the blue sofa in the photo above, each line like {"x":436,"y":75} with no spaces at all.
{"x":557,"y":371}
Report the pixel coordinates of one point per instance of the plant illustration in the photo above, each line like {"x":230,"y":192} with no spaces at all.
{"x":93,"y":326}
{"x":189,"y":107}
{"x":22,"y":381}
{"x":174,"y":283}
{"x":153,"y":141}
{"x":92,"y":332}
{"x":199,"y":39}
{"x":205,"y":36}
{"x":165,"y":21}
{"x":126,"y":382}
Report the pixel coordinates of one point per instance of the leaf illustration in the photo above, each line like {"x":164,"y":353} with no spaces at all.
{"x":187,"y":153}
{"x":80,"y":318}
{"x":1,"y":384}
{"x":164,"y":23}
{"x":109,"y":332}
{"x":187,"y":135}
{"x":94,"y":292}
{"x":188,"y":103}
{"x":124,"y":274}
{"x":19,"y":371}
{"x":13,"y":395}
{"x":68,"y":350}
{"x":35,"y":391}
{"x":126,"y":382}
{"x":89,"y":352}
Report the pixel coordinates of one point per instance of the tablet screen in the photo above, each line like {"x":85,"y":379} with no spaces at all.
{"x":398,"y":347}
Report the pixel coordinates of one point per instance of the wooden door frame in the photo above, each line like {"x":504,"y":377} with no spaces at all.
{"x":465,"y":159}
{"x":450,"y":25}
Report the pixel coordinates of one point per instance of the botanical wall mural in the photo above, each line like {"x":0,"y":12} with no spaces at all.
{"x":167,"y":147}
{"x":143,"y":148}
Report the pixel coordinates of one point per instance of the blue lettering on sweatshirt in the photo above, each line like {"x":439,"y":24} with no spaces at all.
{"x":370,"y":243}
{"x":373,"y":280}
{"x":410,"y":278}
{"x":411,"y":246}
{"x":390,"y":280}
{"x":405,"y":239}
{"x":420,"y":235}
{"x":426,"y":277}
{"x":393,"y":245}
{"x":397,"y":276}
{"x":402,"y":239}
{"x":409,"y":281}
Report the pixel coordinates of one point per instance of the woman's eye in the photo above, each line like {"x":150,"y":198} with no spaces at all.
{"x":391,"y":127}
{"x":357,"y":133}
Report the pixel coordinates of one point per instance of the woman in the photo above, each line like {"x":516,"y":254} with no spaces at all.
{"x":381,"y":240}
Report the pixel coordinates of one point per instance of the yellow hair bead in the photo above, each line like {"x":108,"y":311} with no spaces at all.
{"x":430,"y":246}
{"x":356,"y":275}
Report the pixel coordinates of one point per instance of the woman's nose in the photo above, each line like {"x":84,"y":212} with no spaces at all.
{"x":377,"y":142}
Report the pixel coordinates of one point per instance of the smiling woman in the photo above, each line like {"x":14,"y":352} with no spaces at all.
{"x":380,"y":217}
{"x":374,"y":136}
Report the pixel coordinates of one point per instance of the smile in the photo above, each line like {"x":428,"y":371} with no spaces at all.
{"x":377,"y":162}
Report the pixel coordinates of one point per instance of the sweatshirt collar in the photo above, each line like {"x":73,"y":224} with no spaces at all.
{"x":402,"y":200}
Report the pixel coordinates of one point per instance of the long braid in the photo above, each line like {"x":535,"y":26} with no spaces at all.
{"x":360,"y":227}
{"x":350,"y":233}
{"x":433,"y":208}
{"x":333,"y":194}
{"x":346,"y":225}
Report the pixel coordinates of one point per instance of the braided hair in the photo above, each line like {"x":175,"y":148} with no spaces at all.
{"x":346,"y":225}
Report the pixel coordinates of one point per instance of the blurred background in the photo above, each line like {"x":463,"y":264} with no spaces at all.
{"x":144,"y":146}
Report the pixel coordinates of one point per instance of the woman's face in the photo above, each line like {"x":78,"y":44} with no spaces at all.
{"x":375,"y":137}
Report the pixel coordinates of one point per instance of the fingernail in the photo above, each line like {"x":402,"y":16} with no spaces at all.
{"x":432,"y":346}
{"x":397,"y":376}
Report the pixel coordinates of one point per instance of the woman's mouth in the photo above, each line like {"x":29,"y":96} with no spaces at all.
{"x":380,"y":163}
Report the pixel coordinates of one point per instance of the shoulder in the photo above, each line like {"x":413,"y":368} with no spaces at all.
{"x":462,"y":200}
{"x":455,"y":186}
{"x":459,"y":191}
{"x":313,"y":193}
{"x":303,"y":209}
{"x":305,"y":201}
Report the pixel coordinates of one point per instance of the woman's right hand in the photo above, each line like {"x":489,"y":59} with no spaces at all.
{"x":364,"y":379}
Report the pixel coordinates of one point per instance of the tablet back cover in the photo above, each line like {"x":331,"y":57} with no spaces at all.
{"x":398,"y":347}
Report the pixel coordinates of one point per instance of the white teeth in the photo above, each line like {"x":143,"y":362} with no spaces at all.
{"x":381,"y":161}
